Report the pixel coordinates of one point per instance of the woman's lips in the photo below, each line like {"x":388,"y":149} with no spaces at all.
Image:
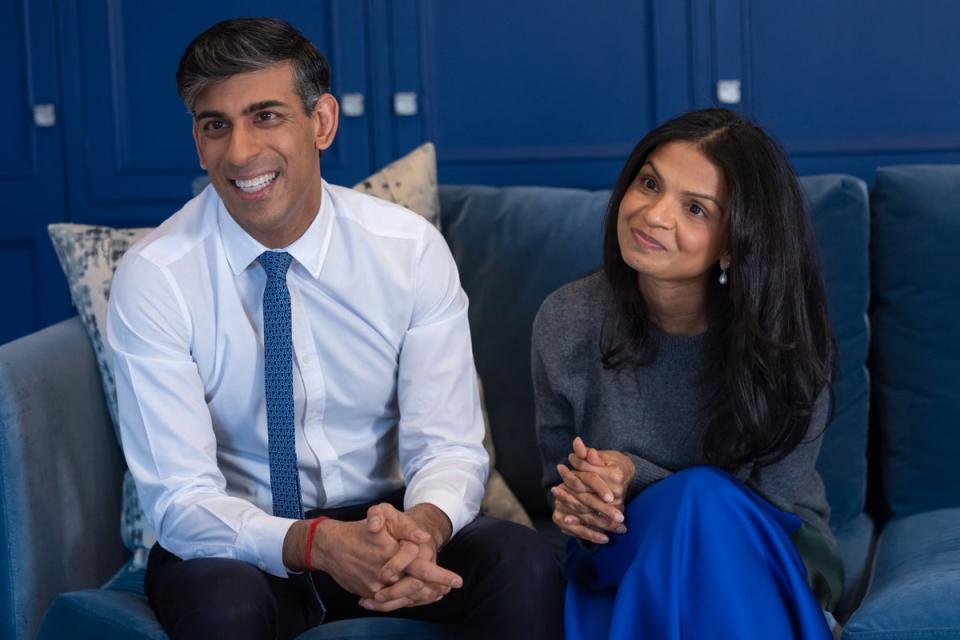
{"x":647,"y":241}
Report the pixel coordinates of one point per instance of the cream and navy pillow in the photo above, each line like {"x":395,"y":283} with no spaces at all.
{"x":89,"y":256}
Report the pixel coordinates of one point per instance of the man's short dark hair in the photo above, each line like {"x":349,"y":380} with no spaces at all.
{"x":242,"y":45}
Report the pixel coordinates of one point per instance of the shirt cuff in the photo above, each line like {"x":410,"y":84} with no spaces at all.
{"x":261,"y":542}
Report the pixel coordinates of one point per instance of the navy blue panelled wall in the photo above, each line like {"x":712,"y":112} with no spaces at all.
{"x":548,"y":92}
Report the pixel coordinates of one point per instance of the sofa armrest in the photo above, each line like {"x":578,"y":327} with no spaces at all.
{"x":60,"y":475}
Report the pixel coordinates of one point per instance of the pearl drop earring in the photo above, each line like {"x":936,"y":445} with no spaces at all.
{"x":723,"y":276}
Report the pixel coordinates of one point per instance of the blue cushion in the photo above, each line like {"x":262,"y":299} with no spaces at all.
{"x":915,"y":592}
{"x":840,"y":214}
{"x":120,"y":610}
{"x":916,"y":349}
{"x":513,"y":247}
{"x":855,"y":542}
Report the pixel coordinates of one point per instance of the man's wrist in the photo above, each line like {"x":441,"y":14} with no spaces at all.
{"x":293,"y":546}
{"x":433,"y":520}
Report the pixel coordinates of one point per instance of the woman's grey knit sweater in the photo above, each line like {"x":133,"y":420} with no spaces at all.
{"x":654,"y":413}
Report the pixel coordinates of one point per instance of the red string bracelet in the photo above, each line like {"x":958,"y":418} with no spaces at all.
{"x":310,"y":532}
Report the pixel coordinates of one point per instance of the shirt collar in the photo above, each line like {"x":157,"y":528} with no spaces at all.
{"x":309,"y":249}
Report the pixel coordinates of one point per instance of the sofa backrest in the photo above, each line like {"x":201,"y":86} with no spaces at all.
{"x":916,"y":343}
{"x":60,"y":470}
{"x":515,"y":245}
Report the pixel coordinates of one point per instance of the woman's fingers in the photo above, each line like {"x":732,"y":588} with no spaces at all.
{"x":579,"y":511}
{"x":579,"y":447}
{"x":579,"y":530}
{"x":586,"y":482}
{"x":571,"y":479}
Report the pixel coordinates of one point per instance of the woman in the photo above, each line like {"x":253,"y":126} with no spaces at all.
{"x":681,"y":395}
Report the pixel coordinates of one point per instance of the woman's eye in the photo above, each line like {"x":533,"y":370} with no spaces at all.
{"x":697,"y":210}
{"x":648,"y":183}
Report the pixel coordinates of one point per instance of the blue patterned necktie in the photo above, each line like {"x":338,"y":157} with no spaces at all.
{"x":278,"y":384}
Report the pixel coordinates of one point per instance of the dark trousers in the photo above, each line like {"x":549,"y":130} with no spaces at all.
{"x":512,"y":587}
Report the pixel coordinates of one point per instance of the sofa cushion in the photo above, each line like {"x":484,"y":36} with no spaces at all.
{"x":514,"y":246}
{"x":840,"y":214}
{"x":89,"y":256}
{"x":916,"y":346}
{"x":915,"y":589}
{"x":856,"y":541}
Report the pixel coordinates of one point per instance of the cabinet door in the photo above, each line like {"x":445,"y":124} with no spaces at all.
{"x":549,"y":92}
{"x":130,"y":150}
{"x":849,"y":86}
{"x":30,"y":169}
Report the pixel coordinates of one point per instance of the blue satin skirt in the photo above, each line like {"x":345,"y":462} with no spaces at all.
{"x":704,"y":557}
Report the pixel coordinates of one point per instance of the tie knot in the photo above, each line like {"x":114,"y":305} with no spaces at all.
{"x":275,"y":263}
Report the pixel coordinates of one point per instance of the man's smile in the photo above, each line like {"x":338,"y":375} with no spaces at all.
{"x":256,"y":183}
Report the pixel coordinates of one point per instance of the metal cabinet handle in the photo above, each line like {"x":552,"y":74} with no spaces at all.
{"x":351,"y":105}
{"x":45,"y":115}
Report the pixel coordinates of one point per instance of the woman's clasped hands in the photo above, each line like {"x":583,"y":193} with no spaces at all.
{"x":589,"y":502}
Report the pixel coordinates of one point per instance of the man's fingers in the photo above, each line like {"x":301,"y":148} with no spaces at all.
{"x":408,"y":592}
{"x":375,"y":519}
{"x":405,"y":588}
{"x":372,"y":605}
{"x":396,"y":565}
{"x":401,"y":526}
{"x":428,"y":571}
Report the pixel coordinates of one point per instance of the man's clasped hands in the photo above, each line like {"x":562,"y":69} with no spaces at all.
{"x":589,"y":502}
{"x":389,"y":558}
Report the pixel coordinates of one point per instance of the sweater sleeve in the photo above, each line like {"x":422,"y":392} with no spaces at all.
{"x":793,"y":484}
{"x":646,"y":474}
{"x":556,"y":421}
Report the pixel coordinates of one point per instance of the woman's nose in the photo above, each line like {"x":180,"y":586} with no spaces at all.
{"x":659,"y":212}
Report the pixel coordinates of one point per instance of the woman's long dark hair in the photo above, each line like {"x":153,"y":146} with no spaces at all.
{"x":770,"y":344}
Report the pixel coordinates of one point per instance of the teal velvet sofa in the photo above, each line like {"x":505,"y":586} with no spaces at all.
{"x":890,"y":459}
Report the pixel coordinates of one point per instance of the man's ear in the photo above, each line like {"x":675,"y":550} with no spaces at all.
{"x":326,"y":115}
{"x":196,"y":142}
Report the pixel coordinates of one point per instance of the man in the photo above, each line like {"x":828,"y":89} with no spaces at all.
{"x":296,"y":387}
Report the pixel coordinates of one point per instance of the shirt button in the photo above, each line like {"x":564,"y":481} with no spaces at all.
{"x":262,"y":565}
{"x":308,"y":360}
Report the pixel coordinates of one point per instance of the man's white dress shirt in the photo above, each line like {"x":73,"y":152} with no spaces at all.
{"x":385,"y":389}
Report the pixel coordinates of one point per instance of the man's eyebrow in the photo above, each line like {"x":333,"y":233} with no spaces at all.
{"x":264,"y":104}
{"x":219,"y":115}
{"x":250,"y":108}
{"x":686,"y":193}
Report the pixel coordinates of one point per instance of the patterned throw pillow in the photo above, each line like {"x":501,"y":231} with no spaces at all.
{"x":89,"y":256}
